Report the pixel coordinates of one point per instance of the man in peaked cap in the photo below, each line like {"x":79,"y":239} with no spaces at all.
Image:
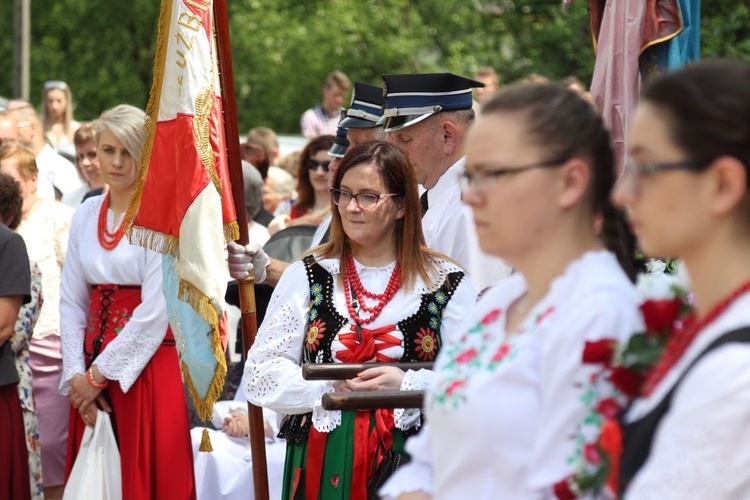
{"x":428,"y":115}
{"x":362,"y":117}
{"x":358,"y":124}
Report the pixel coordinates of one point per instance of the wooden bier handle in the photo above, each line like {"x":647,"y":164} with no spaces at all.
{"x":345,"y":371}
{"x":373,"y":400}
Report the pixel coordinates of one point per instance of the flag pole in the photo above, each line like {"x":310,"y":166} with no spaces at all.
{"x":246,"y":287}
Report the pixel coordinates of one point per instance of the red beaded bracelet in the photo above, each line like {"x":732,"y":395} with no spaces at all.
{"x":90,"y":378}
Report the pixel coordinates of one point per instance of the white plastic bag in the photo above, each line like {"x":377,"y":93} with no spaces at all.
{"x":96,"y":471}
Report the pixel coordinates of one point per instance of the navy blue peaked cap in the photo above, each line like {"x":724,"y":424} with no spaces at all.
{"x":366,"y":108}
{"x":413,"y":97}
{"x":340,"y":143}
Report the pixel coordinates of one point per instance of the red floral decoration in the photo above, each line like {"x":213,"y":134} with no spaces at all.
{"x":314,"y":334}
{"x":426,"y":343}
{"x":624,"y":366}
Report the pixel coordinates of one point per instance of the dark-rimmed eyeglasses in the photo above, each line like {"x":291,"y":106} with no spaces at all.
{"x":365,"y":200}
{"x":315,"y":164}
{"x":635,"y":170}
{"x":485,"y":178}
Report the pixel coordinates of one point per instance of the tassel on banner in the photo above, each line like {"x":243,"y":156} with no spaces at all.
{"x":205,"y":442}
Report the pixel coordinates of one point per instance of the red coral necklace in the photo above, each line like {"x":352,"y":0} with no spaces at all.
{"x":108,"y":240}
{"x":681,"y":339}
{"x":353,"y":287}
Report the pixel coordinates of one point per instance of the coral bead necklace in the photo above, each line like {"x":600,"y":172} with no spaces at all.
{"x":355,"y":291}
{"x":683,"y":337}
{"x":107,"y":239}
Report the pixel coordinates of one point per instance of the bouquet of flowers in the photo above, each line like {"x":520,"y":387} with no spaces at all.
{"x":617,"y":382}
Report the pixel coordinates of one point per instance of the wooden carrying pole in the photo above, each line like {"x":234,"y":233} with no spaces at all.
{"x":345,"y":371}
{"x":246,"y":287}
{"x":373,"y":400}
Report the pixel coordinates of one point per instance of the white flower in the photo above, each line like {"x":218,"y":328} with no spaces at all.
{"x":656,"y":286}
{"x":655,"y":266}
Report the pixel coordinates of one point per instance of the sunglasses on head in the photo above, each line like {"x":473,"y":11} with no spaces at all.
{"x":55,"y":84}
{"x":314,"y":164}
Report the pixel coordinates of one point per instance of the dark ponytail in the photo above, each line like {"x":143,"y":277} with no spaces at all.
{"x":567,"y":126}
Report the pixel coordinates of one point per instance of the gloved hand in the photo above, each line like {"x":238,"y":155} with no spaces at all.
{"x":243,"y":260}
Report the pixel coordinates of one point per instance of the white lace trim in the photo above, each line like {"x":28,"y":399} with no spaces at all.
{"x":324,"y":420}
{"x":420,"y":380}
{"x":125,"y":358}
{"x":73,"y":362}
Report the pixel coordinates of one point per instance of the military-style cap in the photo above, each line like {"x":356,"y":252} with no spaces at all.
{"x":412,"y":98}
{"x":340,"y":143}
{"x":366,"y":108}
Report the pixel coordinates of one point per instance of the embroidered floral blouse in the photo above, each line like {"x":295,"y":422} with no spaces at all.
{"x":273,"y":373}
{"x":700,"y":449}
{"x":86,"y":264}
{"x":503,"y":410}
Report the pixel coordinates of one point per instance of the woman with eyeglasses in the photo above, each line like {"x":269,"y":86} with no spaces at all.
{"x":57,"y":117}
{"x":373,"y":293}
{"x":507,"y":398}
{"x":687,"y":194}
{"x":119,"y":354}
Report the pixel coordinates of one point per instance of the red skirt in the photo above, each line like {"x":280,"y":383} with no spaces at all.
{"x":14,"y":458}
{"x":151,"y":420}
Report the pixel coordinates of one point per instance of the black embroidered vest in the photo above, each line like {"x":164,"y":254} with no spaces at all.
{"x":639,"y":435}
{"x":325,"y":322}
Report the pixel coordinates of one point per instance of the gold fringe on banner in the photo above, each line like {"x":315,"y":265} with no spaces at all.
{"x":152,"y":112}
{"x":231,"y":231}
{"x":154,"y":240}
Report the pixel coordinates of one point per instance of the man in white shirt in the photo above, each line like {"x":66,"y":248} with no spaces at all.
{"x":428,"y":116}
{"x":52,"y":166}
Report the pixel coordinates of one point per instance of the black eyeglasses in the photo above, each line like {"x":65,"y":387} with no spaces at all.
{"x":484,"y":178}
{"x":315,"y":164}
{"x":637,"y":170}
{"x":365,"y":200}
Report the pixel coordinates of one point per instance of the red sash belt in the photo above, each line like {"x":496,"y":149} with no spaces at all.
{"x":369,"y":444}
{"x":111,"y":308}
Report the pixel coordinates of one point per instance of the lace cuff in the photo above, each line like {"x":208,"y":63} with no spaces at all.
{"x":406,"y":418}
{"x":324,"y":420}
{"x":124,"y":361}
{"x":72,"y":353}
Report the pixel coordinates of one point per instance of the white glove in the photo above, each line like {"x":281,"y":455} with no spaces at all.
{"x":243,"y":260}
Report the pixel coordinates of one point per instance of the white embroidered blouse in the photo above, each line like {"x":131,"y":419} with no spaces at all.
{"x":503,"y":412}
{"x":701,"y":447}
{"x":88,"y":263}
{"x":273,"y":374}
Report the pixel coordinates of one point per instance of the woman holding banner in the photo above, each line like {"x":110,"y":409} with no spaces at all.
{"x":118,"y":351}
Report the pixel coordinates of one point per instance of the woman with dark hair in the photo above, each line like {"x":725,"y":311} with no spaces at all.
{"x":687,"y":193}
{"x":20,"y":459}
{"x":506,"y":400}
{"x":313,"y":196}
{"x":373,"y":293}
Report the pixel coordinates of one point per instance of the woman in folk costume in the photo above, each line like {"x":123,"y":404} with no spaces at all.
{"x":118,"y":352}
{"x":507,"y":398}
{"x":687,"y":194}
{"x":373,"y":293}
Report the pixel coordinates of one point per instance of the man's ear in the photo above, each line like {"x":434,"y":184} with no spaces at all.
{"x":450,"y":134}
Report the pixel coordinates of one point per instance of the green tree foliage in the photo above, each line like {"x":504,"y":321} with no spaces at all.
{"x":283,"y":49}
